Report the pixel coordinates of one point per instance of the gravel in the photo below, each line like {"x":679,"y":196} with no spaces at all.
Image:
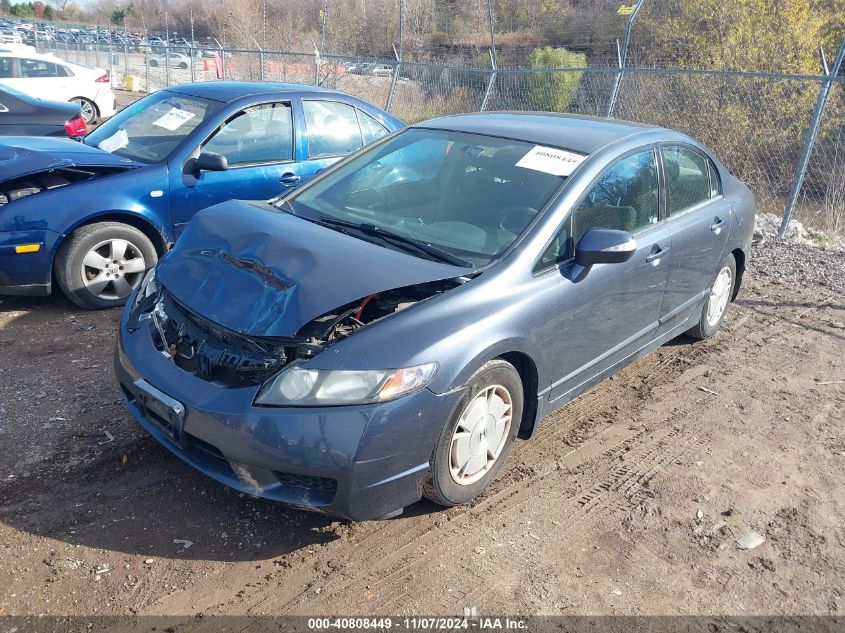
{"x":804,"y":257}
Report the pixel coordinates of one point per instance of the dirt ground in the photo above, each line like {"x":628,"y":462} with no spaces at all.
{"x":628,"y":501}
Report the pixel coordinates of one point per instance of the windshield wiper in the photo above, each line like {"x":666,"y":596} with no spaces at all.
{"x":388,"y":236}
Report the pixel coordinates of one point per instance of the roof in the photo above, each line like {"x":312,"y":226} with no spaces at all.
{"x":229,"y":90}
{"x":582,"y":134}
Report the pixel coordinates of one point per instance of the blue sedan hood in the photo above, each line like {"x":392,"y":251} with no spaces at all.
{"x":260,"y":271}
{"x":22,"y":155}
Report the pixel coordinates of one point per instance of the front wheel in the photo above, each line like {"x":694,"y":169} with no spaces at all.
{"x":718,"y":300}
{"x":478,"y":437}
{"x":99,"y":265}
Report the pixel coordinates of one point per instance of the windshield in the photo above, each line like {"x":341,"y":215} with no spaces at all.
{"x":466,"y":194}
{"x":151,"y":128}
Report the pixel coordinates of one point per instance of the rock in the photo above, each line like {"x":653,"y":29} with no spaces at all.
{"x":750,"y":540}
{"x":148,"y":561}
{"x":699,"y":515}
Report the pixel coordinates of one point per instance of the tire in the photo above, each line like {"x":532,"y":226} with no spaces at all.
{"x":88,"y":109}
{"x":718,"y":300}
{"x":152,"y":63}
{"x":183,"y":66}
{"x":91,"y":271}
{"x":441,"y":486}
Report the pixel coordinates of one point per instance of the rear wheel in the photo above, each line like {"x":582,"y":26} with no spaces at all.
{"x":718,"y":300}
{"x":152,"y":63}
{"x":87,"y":108}
{"x":183,"y":65}
{"x":100,"y":264}
{"x":478,"y":437}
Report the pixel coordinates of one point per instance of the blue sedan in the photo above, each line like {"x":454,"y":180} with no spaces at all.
{"x":388,"y":330}
{"x":95,"y":216}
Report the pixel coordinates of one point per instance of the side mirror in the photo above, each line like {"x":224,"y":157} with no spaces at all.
{"x":206,"y":161}
{"x":601,"y":246}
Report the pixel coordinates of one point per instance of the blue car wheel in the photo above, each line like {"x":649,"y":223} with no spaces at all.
{"x":99,"y":265}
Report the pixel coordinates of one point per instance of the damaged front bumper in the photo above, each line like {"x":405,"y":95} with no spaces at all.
{"x":361,"y":462}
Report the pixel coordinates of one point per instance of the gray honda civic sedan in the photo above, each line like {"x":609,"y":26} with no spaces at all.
{"x":387,"y":331}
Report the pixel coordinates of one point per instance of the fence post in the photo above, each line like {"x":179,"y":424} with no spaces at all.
{"x":399,"y":55}
{"x":493,"y":59}
{"x":810,"y":139}
{"x":623,"y":59}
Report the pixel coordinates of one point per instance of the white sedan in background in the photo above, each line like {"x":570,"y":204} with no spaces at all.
{"x":54,"y":79}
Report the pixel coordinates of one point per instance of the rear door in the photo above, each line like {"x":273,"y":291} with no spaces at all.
{"x":334,"y":129}
{"x":699,"y":219}
{"x":258,"y":143}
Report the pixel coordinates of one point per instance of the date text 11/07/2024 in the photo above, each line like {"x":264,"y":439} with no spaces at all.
{"x":419,"y":623}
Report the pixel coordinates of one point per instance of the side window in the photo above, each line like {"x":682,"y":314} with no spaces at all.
{"x":687,"y":178}
{"x":6,"y":70}
{"x":37,"y":69}
{"x":371,"y":129}
{"x":332,"y":128}
{"x":624,"y":198}
{"x":260,"y":134}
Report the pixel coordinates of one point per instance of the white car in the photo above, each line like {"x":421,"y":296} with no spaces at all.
{"x":10,"y":36}
{"x":382,"y":70}
{"x":176,"y":60}
{"x":54,"y":79}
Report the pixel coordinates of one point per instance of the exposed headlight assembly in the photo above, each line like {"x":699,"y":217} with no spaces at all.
{"x":147,"y":287}
{"x":300,"y":387}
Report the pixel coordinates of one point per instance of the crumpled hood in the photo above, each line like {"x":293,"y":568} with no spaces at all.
{"x":21,"y":155}
{"x":260,"y":271}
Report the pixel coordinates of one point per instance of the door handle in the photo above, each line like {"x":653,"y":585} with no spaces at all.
{"x":289,"y":179}
{"x":654,"y":256}
{"x":717,"y":226}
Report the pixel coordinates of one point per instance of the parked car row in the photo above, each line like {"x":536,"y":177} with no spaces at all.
{"x":52,"y":36}
{"x":326,"y":309}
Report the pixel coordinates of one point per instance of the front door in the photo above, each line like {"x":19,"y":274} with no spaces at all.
{"x":258,"y":143}
{"x":614,"y":311}
{"x":700,"y":222}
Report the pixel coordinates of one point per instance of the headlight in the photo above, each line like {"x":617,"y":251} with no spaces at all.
{"x":300,"y":387}
{"x":147,"y":286}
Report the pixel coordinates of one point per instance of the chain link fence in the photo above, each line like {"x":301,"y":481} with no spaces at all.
{"x":779,"y":132}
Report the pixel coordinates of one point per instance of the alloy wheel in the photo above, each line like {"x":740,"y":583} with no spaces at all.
{"x":480,"y":435}
{"x":112,"y":269}
{"x":86,"y":109}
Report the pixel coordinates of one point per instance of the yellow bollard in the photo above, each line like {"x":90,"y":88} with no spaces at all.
{"x":133,"y":83}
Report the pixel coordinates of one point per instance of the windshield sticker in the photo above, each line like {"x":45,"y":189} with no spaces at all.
{"x":116,"y":141}
{"x":174,"y":119}
{"x":553,"y":161}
